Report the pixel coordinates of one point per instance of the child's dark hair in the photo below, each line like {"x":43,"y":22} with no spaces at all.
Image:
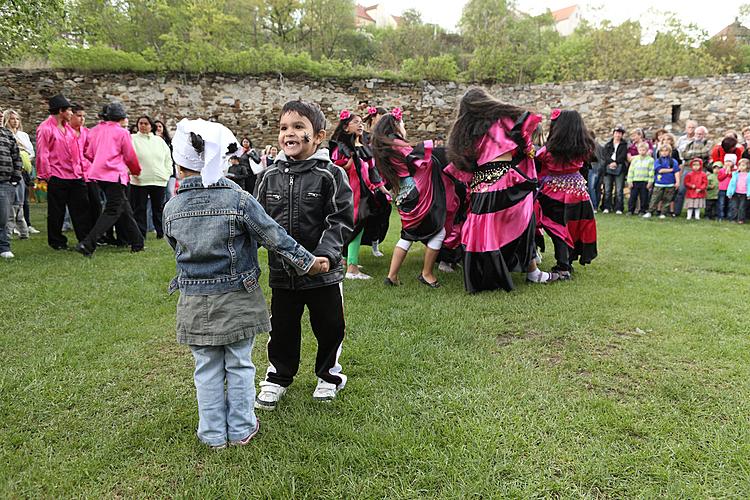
{"x":309,"y":110}
{"x":477,"y":112}
{"x":569,"y":140}
{"x":728,"y":144}
{"x":341,"y":135}
{"x":383,"y":142}
{"x":379,"y":111}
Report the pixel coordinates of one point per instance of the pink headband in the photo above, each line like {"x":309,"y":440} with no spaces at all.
{"x":345,"y":114}
{"x":398,"y":114}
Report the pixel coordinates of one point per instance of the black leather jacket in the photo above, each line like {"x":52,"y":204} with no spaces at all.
{"x":312,"y":200}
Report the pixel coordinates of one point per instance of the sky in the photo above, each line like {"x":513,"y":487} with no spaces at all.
{"x":711,"y":15}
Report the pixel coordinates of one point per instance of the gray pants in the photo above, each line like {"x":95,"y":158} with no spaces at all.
{"x":16,"y":220}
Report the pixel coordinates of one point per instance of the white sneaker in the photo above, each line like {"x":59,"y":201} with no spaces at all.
{"x":647,"y":215}
{"x":605,"y":211}
{"x":16,"y":232}
{"x":619,"y":212}
{"x":33,"y":230}
{"x":325,"y":391}
{"x":444,"y":267}
{"x":376,"y":250}
{"x":269,"y":396}
{"x":7,"y":255}
{"x":662,"y":216}
{"x":358,"y":276}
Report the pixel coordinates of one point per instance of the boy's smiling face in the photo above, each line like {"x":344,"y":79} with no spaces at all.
{"x":297,"y":138}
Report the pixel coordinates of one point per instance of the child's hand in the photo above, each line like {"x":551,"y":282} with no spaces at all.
{"x":319,"y":266}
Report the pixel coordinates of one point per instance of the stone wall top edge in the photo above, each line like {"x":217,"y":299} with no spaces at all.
{"x":351,"y":82}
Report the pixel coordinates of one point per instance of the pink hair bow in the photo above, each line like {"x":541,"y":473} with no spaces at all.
{"x":372,"y":110}
{"x":398,"y":114}
{"x":555,"y":113}
{"x":345,"y":114}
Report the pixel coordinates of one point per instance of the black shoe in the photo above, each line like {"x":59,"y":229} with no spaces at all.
{"x":81,"y":248}
{"x":387,"y":281}
{"x":137,"y":249}
{"x":61,"y":247}
{"x":434,"y":284}
{"x":159,"y":236}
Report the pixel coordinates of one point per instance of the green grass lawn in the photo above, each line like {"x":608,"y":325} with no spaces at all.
{"x":632,"y":380}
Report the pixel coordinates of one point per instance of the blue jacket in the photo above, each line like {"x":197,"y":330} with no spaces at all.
{"x":732,"y":189}
{"x":668,"y":178}
{"x":215,"y":231}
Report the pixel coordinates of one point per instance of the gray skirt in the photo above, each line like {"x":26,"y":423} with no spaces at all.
{"x":695,"y":203}
{"x":221,"y":319}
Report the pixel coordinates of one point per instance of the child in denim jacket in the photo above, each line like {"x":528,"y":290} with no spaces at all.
{"x":214,"y":228}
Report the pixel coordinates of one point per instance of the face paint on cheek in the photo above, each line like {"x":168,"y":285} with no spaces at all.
{"x":306,"y":137}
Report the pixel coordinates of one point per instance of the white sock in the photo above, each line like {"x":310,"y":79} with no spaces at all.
{"x":689,"y":213}
{"x":534,"y":275}
{"x":697,"y":214}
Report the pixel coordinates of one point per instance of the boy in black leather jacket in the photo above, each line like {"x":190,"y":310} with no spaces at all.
{"x":310,"y":197}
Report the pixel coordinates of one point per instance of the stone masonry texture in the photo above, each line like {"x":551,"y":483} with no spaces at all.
{"x":250,"y":105}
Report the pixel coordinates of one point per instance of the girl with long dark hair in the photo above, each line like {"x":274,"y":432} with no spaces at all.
{"x":491,"y":149}
{"x":350,"y":152}
{"x":425,"y":197}
{"x":563,"y":206}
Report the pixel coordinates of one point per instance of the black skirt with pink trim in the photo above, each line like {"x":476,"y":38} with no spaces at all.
{"x":565,"y":212}
{"x":492,"y":270}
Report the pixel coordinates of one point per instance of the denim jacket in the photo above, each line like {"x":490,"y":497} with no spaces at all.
{"x":215,"y":231}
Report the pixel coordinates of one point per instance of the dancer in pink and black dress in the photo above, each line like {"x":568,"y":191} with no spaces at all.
{"x":491,"y":149}
{"x":425,"y":197}
{"x":349,"y":151}
{"x":563,"y":207}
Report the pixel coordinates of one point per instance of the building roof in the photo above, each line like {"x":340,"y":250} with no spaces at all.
{"x":563,"y":14}
{"x":361,"y":12}
{"x":734,"y":30}
{"x":399,"y":20}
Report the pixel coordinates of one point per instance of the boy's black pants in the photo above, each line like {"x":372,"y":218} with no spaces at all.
{"x":327,"y":320}
{"x":71,"y":193}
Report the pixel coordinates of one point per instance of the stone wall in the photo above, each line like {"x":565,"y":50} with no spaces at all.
{"x":250,"y":105}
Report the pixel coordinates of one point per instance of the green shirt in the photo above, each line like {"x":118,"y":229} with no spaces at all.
{"x":641,"y":169}
{"x":712,"y":191}
{"x":155,"y":159}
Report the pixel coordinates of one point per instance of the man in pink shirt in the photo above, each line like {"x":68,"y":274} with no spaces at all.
{"x":58,"y":161}
{"x":113,"y":159}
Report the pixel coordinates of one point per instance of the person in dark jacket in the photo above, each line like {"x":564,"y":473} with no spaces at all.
{"x":615,"y":160}
{"x":310,"y":197}
{"x":237,"y":172}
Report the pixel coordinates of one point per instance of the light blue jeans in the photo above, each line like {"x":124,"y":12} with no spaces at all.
{"x":7,"y":195}
{"x":225,"y":415}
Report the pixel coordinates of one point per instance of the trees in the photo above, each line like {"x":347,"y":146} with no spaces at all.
{"x":29,"y":26}
{"x":496,"y":42}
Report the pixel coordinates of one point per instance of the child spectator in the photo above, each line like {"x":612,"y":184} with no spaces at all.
{"x":214,"y":228}
{"x":696,"y":182}
{"x":311,"y":198}
{"x":725,"y":176}
{"x":737,"y":191}
{"x":640,"y":179}
{"x":666,"y":180}
{"x":712,"y":191}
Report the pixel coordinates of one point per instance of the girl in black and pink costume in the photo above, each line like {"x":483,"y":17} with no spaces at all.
{"x":491,"y":150}
{"x":377,"y":225}
{"x":563,"y":207}
{"x":349,"y":152}
{"x":425,"y":197}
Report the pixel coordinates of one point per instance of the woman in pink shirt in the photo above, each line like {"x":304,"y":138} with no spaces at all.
{"x":113,"y":159}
